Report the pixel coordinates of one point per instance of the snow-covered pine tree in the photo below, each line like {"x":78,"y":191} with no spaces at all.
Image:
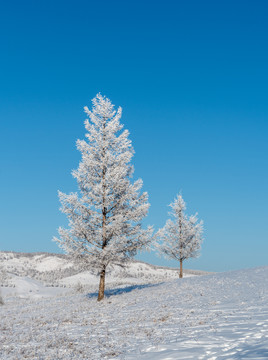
{"x":181,"y":238}
{"x":105,"y":217}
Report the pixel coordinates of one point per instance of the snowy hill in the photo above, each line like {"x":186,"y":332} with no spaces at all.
{"x":58,"y":271}
{"x":217,"y":316}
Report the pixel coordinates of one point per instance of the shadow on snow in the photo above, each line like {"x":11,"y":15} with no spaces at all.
{"x":252,"y":352}
{"x":118,"y":291}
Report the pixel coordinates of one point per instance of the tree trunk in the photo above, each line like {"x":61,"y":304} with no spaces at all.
{"x":104,"y":242}
{"x":102,"y":284}
{"x":181,"y":273}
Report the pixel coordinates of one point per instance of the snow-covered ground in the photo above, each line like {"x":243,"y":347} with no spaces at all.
{"x":218,"y":316}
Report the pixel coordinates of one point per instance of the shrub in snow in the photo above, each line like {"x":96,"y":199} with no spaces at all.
{"x":3,"y":276}
{"x":1,"y":300}
{"x":79,"y":287}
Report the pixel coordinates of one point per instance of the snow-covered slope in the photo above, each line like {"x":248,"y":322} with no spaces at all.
{"x":219,"y":316}
{"x":55,"y":270}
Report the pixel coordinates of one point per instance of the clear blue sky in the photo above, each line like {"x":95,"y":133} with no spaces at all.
{"x":192,"y":78}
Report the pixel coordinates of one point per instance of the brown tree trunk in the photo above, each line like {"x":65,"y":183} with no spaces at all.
{"x":104,"y":214}
{"x":102,"y":284}
{"x":181,"y":273}
{"x":104,"y":242}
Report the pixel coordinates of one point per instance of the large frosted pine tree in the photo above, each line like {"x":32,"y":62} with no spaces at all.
{"x":181,"y":238}
{"x":105,"y":216}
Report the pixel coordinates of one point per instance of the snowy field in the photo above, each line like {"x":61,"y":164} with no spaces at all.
{"x":217,"y":316}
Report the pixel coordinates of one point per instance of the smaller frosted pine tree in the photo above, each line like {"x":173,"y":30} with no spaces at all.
{"x":181,"y":238}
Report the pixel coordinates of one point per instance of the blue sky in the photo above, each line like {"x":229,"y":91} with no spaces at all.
{"x":192,"y":79}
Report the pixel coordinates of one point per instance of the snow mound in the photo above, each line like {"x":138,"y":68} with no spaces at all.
{"x":27,"y":288}
{"x":51,"y":263}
